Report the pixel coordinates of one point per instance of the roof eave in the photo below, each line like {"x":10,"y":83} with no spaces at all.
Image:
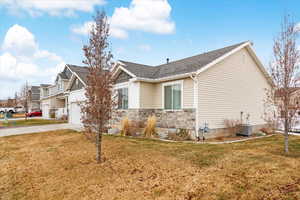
{"x":168,"y":78}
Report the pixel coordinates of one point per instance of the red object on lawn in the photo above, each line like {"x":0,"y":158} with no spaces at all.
{"x":34,"y":114}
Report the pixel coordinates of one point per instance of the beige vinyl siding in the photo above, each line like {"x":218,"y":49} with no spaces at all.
{"x":147,"y":95}
{"x":236,"y":84}
{"x":151,"y":94}
{"x":53,"y":102}
{"x":188,"y":93}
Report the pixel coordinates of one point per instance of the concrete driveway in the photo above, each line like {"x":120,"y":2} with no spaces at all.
{"x":37,"y":129}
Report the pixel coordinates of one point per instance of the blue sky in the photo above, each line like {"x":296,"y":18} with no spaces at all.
{"x":143,"y":31}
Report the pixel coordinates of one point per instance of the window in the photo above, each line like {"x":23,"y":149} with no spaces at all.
{"x":122,"y":98}
{"x":172,"y":97}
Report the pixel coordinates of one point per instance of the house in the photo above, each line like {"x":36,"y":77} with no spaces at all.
{"x":191,"y":93}
{"x":76,"y":93}
{"x":54,"y":98}
{"x":294,"y":107}
{"x":34,"y":98}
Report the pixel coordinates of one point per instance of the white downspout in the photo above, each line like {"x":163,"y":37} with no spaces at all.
{"x":194,"y":77}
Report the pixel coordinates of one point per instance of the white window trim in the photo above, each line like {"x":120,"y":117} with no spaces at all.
{"x":163,"y":94}
{"x":121,"y":86}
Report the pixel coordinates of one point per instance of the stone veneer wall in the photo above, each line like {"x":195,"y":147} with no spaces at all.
{"x":185,"y":118}
{"x":167,"y":120}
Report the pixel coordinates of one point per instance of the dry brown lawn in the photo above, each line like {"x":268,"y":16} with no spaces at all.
{"x":61,"y":165}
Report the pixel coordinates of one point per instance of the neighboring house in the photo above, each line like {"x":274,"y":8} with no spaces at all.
{"x":294,"y":100}
{"x":34,"y":98}
{"x":54,"y":98}
{"x":191,"y":93}
{"x":76,"y":93}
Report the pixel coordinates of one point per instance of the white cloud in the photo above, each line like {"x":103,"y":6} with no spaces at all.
{"x":52,"y":7}
{"x":118,"y":33}
{"x":145,"y":47}
{"x":40,"y":54}
{"x":21,"y":60}
{"x":143,"y":15}
{"x":86,"y":28}
{"x":19,"y":41}
{"x":146,"y":15}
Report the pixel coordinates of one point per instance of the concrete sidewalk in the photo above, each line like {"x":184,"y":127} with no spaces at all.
{"x":22,"y":118}
{"x":37,"y":129}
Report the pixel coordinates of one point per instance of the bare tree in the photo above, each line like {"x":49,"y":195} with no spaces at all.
{"x":25,"y":97}
{"x":283,"y":70}
{"x":16,"y":99}
{"x":98,"y":106}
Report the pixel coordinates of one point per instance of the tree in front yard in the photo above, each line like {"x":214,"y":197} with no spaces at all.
{"x":283,"y":70}
{"x":97,"y":108}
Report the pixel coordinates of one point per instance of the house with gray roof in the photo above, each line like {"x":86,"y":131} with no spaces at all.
{"x":54,"y":98}
{"x":195,"y":93}
{"x":34,"y":98}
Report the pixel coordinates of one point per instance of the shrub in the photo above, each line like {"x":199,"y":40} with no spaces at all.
{"x":181,"y":135}
{"x":129,"y":128}
{"x":232,"y":126}
{"x":52,"y":115}
{"x":125,"y":127}
{"x":267,"y":130}
{"x":150,"y":130}
{"x":64,"y":117}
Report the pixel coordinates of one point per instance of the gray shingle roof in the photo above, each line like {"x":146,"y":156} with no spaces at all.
{"x":144,"y":71}
{"x":82,"y":72}
{"x":45,"y":85}
{"x":35,"y":89}
{"x":186,"y":65}
{"x":35,"y":97}
{"x":63,"y":75}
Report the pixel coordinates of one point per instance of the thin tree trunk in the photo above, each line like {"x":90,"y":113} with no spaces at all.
{"x":98,"y":146}
{"x":286,"y":136}
{"x":286,"y":142}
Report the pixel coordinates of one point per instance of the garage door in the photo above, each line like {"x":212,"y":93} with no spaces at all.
{"x":75,"y":114}
{"x":45,"y":111}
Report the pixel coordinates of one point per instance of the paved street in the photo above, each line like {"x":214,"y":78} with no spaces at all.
{"x":37,"y":129}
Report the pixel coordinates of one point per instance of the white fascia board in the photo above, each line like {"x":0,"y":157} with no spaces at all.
{"x":69,"y":68}
{"x":222,"y":57}
{"x":115,"y":67}
{"x":261,"y":66}
{"x":80,"y":79}
{"x":70,"y":82}
{"x":169,"y":78}
{"x":128,"y":72}
{"x":74,"y":73}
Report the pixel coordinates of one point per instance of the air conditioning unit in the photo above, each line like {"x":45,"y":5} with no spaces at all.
{"x":245,"y":130}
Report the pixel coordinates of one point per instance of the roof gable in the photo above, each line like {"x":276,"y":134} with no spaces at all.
{"x":122,"y":77}
{"x":76,"y":84}
{"x":186,"y":65}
